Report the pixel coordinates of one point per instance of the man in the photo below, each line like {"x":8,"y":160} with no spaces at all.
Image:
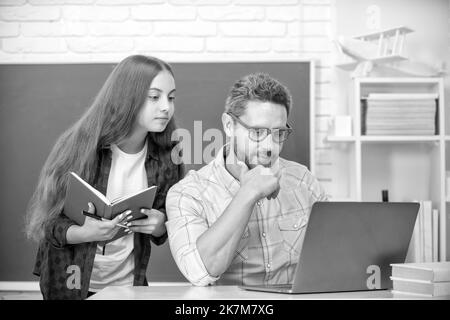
{"x":241,"y":218}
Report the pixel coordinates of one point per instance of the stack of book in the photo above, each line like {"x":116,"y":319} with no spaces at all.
{"x":399,"y":114}
{"x":428,"y":279}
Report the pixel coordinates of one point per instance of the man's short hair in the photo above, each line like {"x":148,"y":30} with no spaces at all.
{"x":257,"y":87}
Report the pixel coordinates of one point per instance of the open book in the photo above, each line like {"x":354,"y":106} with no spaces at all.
{"x":79,"y":193}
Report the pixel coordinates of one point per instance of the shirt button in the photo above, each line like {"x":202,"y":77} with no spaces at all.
{"x":295,"y":226}
{"x":268,"y":266}
{"x":258,"y":203}
{"x":264,"y":234}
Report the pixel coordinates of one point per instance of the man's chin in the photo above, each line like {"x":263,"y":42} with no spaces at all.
{"x":264,"y":163}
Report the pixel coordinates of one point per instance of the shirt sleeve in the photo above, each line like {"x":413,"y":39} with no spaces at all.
{"x":161,"y":239}
{"x":161,"y":195}
{"x":185,"y":224}
{"x":56,"y":230}
{"x":317,"y":191}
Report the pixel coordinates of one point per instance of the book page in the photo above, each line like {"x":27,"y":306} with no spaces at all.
{"x":98,"y":193}
{"x":131,"y":195}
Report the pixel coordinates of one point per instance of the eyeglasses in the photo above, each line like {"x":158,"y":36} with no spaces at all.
{"x":258,"y":134}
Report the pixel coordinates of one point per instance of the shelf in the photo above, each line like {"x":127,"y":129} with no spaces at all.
{"x":409,"y":166}
{"x":340,"y":139}
{"x":399,"y":138}
{"x":386,"y":139}
{"x":406,"y":80}
{"x":401,"y":96}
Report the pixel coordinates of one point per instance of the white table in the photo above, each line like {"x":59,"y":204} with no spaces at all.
{"x":185,"y":291}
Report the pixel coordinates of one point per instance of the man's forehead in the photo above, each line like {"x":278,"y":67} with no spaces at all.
{"x":264,"y":111}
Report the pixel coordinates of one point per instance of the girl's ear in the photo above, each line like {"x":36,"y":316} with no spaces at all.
{"x":228,"y":125}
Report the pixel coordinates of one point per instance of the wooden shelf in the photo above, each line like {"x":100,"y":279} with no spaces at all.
{"x":386,"y":139}
{"x":340,"y":139}
{"x":399,"y":138}
{"x":403,"y":80}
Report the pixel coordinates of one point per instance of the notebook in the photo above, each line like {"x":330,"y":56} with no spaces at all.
{"x":79,"y":193}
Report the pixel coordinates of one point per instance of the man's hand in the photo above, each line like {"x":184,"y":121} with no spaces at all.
{"x":260,"y":181}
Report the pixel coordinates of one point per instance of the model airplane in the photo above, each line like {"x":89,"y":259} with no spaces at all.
{"x":361,"y":54}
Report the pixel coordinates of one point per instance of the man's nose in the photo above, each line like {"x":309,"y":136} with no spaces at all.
{"x":267,"y":145}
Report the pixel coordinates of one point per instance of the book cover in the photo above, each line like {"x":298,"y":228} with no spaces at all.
{"x":425,"y":271}
{"x":79,"y":193}
{"x":435,"y":223}
{"x":442,"y":235}
{"x":428,"y":231}
{"x":428,"y":288}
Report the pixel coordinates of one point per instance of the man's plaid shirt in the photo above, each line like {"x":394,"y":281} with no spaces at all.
{"x":270,"y":246}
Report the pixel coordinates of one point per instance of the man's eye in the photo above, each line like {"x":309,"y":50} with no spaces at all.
{"x":259,"y":132}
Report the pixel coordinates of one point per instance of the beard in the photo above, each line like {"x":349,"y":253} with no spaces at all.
{"x":252,"y":164}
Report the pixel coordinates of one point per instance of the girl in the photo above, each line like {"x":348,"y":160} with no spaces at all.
{"x":121,"y":145}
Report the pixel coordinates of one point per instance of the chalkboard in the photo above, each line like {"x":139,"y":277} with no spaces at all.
{"x":39,"y":101}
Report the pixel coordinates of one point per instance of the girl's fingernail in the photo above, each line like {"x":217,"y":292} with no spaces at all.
{"x":143,"y":210}
{"x":129,"y":217}
{"x":128,"y":224}
{"x":120,"y":216}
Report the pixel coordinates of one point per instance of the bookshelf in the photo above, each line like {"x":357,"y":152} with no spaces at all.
{"x":410,"y":167}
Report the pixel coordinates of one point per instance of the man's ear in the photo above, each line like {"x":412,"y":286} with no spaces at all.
{"x":228,"y":124}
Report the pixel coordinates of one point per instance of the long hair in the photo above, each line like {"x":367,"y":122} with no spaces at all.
{"x":107,"y":121}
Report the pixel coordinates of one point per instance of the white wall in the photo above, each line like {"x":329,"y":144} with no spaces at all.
{"x":175,"y":30}
{"x":99,"y":30}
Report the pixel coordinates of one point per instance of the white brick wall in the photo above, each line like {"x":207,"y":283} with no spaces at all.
{"x":176,"y":30}
{"x":231,"y":13}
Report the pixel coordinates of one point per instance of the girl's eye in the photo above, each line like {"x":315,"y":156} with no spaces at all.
{"x":171,"y":98}
{"x":153,"y":98}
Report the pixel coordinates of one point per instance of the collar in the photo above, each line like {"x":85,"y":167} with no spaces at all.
{"x":151,"y":149}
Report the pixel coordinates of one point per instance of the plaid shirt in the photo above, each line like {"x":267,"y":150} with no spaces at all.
{"x":55,"y":256}
{"x":270,"y":245}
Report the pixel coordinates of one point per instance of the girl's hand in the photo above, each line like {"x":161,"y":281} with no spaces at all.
{"x":153,"y":224}
{"x":101,"y":230}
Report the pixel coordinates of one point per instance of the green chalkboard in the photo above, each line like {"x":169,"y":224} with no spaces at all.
{"x":39,"y":101}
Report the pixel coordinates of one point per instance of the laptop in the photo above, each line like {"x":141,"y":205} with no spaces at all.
{"x":349,"y":246}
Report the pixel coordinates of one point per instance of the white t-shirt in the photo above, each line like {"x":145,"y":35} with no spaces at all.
{"x":115,"y":267}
